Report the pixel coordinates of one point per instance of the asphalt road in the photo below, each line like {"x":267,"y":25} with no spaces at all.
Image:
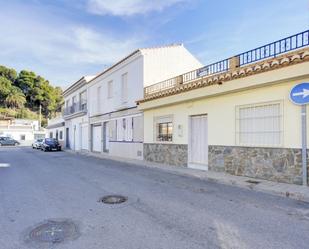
{"x":163,"y":210}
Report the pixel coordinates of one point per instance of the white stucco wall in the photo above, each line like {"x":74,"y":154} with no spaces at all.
{"x":134,"y":68}
{"x":221,"y":108}
{"x":75,"y":94}
{"x":167,"y":62}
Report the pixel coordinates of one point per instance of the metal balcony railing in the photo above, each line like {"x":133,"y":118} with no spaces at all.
{"x":267,"y":51}
{"x":75,"y":108}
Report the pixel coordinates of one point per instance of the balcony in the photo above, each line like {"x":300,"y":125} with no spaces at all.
{"x":271,"y":50}
{"x":77,"y":109}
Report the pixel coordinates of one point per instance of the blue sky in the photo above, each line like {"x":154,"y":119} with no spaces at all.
{"x":63,"y":40}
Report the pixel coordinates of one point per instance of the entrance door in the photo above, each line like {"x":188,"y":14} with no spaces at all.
{"x":198,"y":143}
{"x":96,"y":138}
{"x":74,"y":138}
{"x":84,"y":137}
{"x":106,"y":137}
{"x":67,"y":138}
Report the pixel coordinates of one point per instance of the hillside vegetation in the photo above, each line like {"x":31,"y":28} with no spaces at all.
{"x":21,"y":95}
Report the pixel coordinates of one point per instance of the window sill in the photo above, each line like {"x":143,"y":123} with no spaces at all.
{"x":163,"y":142}
{"x":261,"y":146}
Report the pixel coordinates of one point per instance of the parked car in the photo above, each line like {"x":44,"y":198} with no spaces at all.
{"x":37,"y":144}
{"x":50,"y":144}
{"x":8,"y":141}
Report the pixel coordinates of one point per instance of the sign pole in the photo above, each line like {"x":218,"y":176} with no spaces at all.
{"x":304,"y":142}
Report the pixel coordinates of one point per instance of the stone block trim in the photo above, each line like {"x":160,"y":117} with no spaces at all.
{"x":274,"y":164}
{"x":172,"y":154}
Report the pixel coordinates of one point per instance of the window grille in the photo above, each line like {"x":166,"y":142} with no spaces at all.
{"x":165,"y":132}
{"x":259,"y":125}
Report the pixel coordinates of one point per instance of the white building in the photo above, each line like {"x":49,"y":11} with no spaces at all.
{"x":55,"y":129}
{"x":76,"y":115}
{"x":116,"y":125}
{"x":23,"y":130}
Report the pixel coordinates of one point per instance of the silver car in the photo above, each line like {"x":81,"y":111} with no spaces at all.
{"x":37,"y":144}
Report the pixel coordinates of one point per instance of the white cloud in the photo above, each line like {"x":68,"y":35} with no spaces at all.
{"x":58,"y":49}
{"x":129,"y":7}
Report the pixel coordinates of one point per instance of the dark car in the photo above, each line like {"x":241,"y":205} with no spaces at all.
{"x":50,"y":144}
{"x":37,"y":144}
{"x":8,"y":141}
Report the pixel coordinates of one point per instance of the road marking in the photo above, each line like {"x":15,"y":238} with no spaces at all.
{"x":4,"y":165}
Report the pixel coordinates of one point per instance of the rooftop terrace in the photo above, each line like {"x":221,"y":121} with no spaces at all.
{"x":240,"y":61}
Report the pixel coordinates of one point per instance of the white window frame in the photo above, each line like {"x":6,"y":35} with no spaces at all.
{"x":74,"y":100}
{"x":110,"y":89}
{"x":99,"y":99}
{"x":159,"y":120}
{"x":281,"y":124}
{"x":124,"y":88}
{"x":83,"y":99}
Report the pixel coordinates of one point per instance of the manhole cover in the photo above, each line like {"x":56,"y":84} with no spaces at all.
{"x":113,"y":199}
{"x":54,"y":231}
{"x":253,"y":182}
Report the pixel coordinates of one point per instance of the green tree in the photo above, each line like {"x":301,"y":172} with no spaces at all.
{"x":25,"y":81}
{"x":26,"y":91}
{"x":15,"y":99}
{"x":5,"y":88}
{"x":8,"y":73}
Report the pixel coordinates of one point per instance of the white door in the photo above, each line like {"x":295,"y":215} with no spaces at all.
{"x":84,"y":137}
{"x":74,"y":137}
{"x":96,"y":138}
{"x":198,"y":143}
{"x":106,"y":137}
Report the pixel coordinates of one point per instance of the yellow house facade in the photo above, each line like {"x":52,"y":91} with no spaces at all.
{"x":240,"y":120}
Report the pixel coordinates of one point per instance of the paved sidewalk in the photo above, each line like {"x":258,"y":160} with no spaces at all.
{"x":297,"y":192}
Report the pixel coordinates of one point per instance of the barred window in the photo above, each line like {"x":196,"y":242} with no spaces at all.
{"x":165,"y":132}
{"x":163,"y":128}
{"x":259,"y":125}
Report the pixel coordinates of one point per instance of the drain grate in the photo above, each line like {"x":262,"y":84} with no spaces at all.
{"x":54,"y":231}
{"x":253,"y":182}
{"x":113,"y":199}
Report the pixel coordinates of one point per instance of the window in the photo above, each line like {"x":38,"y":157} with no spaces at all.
{"x":73,"y":107}
{"x":23,"y":137}
{"x":165,"y":131}
{"x":83,"y":100}
{"x":60,"y":135}
{"x":73,"y":101}
{"x":99,"y":99}
{"x":124,"y":88}
{"x":110,"y":89}
{"x":259,"y":125}
{"x":163,"y":128}
{"x":57,"y":134}
{"x":124,"y":129}
{"x":51,"y":135}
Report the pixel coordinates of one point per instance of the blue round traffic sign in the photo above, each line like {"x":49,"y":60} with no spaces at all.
{"x":299,"y":94}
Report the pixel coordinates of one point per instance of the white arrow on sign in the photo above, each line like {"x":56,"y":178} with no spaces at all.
{"x":304,"y":93}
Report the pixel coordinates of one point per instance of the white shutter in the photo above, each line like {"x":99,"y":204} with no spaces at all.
{"x":260,"y":125}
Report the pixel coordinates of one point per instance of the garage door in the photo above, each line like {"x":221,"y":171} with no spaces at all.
{"x":96,"y":138}
{"x":84,"y":137}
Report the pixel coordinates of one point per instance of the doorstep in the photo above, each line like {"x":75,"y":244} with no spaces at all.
{"x":293,"y":191}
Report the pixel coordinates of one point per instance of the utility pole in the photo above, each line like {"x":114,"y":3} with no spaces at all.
{"x":40,"y":119}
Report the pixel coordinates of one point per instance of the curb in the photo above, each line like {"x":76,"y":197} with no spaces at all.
{"x":301,"y":193}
